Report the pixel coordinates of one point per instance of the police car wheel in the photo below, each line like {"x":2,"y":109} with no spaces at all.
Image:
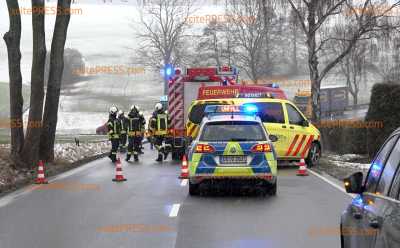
{"x":194,"y":189}
{"x":313,"y":155}
{"x":272,"y":190}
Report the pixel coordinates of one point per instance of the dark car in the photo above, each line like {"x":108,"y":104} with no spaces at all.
{"x":372,"y":219}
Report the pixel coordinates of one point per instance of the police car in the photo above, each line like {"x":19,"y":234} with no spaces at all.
{"x":232,"y":146}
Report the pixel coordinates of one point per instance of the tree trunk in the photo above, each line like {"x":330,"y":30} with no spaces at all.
{"x":30,"y":152}
{"x":313,"y":64}
{"x":167,"y":60}
{"x":13,"y":39}
{"x":295,"y":64}
{"x":355,"y":100}
{"x":54,"y":83}
{"x":266,"y":26}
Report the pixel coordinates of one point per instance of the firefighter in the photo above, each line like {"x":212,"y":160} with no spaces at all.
{"x":114,"y":132}
{"x":135,"y":129}
{"x":143,"y":120}
{"x":158,"y":128}
{"x":124,"y":130}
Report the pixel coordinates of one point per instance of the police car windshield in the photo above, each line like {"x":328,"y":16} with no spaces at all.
{"x":233,"y":131}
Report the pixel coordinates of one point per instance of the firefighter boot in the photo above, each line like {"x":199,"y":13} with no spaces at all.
{"x":128,"y":157}
{"x":136,"y":157}
{"x":160,"y":157}
{"x":113,"y":158}
{"x":165,"y":155}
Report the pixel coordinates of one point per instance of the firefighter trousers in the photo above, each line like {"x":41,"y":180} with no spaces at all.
{"x":162,"y":148}
{"x":134,"y":145}
{"x":114,"y":149}
{"x":123,"y":140}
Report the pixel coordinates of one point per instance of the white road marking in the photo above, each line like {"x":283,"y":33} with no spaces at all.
{"x":174,"y":210}
{"x":331,"y":183}
{"x":184,"y":182}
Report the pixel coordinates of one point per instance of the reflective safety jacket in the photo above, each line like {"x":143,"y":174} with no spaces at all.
{"x":158,"y":124}
{"x":124,"y":124}
{"x":114,"y":128}
{"x":136,"y":125}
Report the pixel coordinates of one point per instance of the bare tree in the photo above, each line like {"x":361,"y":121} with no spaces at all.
{"x":254,"y":25}
{"x":214,"y":46}
{"x":353,"y":67}
{"x":386,"y":62}
{"x":296,"y":38}
{"x":209,"y":46}
{"x":13,"y":40}
{"x":30,"y":151}
{"x":26,"y":151}
{"x":164,"y":23}
{"x":315,"y":14}
{"x":54,"y":82}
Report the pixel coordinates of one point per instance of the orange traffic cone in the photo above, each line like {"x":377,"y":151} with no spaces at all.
{"x":184,"y":168}
{"x":118,"y":172}
{"x":40,"y":175}
{"x":302,"y":171}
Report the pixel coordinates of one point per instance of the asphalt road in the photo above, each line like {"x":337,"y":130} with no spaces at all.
{"x":84,"y":208}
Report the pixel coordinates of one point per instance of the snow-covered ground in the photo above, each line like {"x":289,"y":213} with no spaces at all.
{"x":71,"y":153}
{"x":345,"y":160}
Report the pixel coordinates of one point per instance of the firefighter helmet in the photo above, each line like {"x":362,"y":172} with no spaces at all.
{"x":134,"y":108}
{"x":113,"y":110}
{"x":158,"y":107}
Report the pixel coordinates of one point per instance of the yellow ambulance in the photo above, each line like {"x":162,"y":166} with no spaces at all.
{"x":296,"y":137}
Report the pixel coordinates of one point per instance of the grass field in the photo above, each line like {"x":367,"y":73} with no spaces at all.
{"x":5,"y":98}
{"x":5,"y":108}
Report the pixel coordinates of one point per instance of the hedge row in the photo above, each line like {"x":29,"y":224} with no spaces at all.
{"x":384,"y":108}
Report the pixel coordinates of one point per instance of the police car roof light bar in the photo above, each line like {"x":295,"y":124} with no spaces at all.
{"x":245,"y":109}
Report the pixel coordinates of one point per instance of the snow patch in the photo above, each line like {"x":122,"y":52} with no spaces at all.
{"x":344,"y":161}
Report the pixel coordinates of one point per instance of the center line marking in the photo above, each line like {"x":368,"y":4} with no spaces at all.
{"x":184,"y":182}
{"x":174,"y":210}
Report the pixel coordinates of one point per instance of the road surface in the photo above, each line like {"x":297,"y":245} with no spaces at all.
{"x":84,"y":208}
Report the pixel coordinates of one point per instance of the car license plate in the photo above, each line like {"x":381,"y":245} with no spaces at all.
{"x":233,"y":159}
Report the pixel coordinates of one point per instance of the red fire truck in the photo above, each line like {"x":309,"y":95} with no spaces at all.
{"x":183,"y":89}
{"x":201,"y":84}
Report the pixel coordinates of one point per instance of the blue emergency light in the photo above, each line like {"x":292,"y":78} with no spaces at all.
{"x":250,"y":108}
{"x":169,"y":71}
{"x":245,"y":109}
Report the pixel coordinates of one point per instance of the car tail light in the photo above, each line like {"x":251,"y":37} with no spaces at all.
{"x":203,"y":148}
{"x":261,"y":148}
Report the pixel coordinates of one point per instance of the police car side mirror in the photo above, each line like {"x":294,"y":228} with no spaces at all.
{"x":273,"y":138}
{"x":353,"y":183}
{"x":305,"y":123}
